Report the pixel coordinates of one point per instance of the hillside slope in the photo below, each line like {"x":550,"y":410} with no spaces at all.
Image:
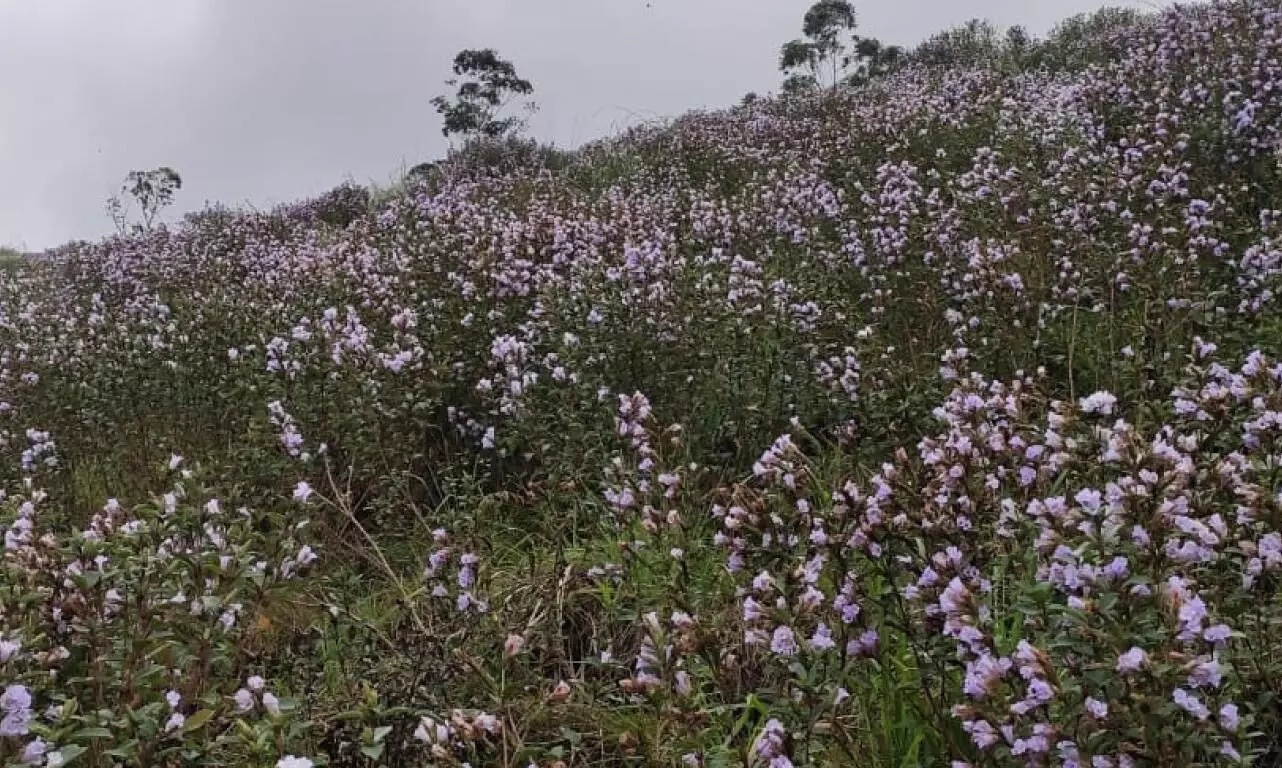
{"x":930,"y":421}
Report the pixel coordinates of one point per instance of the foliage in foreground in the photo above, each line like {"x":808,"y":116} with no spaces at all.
{"x":930,"y":423}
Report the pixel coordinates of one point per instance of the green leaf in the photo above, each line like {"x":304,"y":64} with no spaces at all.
{"x":91,"y":733}
{"x":245,"y":730}
{"x":126,"y":751}
{"x":373,"y":751}
{"x":70,"y":752}
{"x":197,"y":720}
{"x":381,"y":732}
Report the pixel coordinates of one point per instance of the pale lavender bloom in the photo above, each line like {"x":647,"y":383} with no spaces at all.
{"x":784,"y":641}
{"x":15,"y":698}
{"x":1217,"y":634}
{"x":16,"y":703}
{"x":771,"y":741}
{"x":822,"y":639}
{"x":1117,"y":569}
{"x":1040,"y":690}
{"x":1089,"y":499}
{"x":954,"y":597}
{"x":34,"y":751}
{"x":1190,"y":703}
{"x":244,"y":700}
{"x":1097,"y":708}
{"x":982,"y":733}
{"x":1132,"y":660}
{"x":1100,"y":402}
{"x":1035,"y":744}
{"x":175,"y":722}
{"x":682,"y":683}
{"x":984,"y":675}
{"x":16,"y":723}
{"x":865,"y":644}
{"x":1229,"y":719}
{"x":1191,"y":614}
{"x":1205,"y":672}
{"x":1027,"y":475}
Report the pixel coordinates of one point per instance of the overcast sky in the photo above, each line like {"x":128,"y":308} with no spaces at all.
{"x":265,"y":101}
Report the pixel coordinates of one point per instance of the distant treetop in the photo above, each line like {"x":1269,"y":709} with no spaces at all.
{"x":830,"y":53}
{"x":485,"y":84}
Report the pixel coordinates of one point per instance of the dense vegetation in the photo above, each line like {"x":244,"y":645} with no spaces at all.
{"x":934,"y":421}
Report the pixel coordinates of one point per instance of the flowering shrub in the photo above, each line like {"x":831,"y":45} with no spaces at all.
{"x":121,"y":640}
{"x":932,"y":422}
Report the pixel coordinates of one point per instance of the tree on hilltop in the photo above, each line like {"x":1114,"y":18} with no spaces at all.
{"x":486,"y":85}
{"x":152,"y":191}
{"x":830,"y":53}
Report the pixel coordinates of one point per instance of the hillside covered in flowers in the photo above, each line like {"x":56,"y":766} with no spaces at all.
{"x":935,"y":421}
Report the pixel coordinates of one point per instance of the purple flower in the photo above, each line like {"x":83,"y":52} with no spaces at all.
{"x":1205,"y":672}
{"x":1117,"y":569}
{"x":770,"y":742}
{"x":1190,"y":703}
{"x":822,"y":639}
{"x":864,"y":645}
{"x":1089,"y":499}
{"x":984,"y":675}
{"x":16,"y":703}
{"x":244,"y":700}
{"x":15,"y":698}
{"x":1132,"y":660}
{"x":1040,"y":690}
{"x":1192,"y":613}
{"x":954,"y":597}
{"x":784,"y":641}
{"x":1100,"y":402}
{"x":16,"y":723}
{"x":982,"y":733}
{"x":1097,"y":708}
{"x":1229,"y":720}
{"x":682,"y":683}
{"x":34,"y":751}
{"x":1217,"y":634}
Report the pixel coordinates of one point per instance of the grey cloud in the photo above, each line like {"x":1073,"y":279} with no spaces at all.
{"x":263,"y":101}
